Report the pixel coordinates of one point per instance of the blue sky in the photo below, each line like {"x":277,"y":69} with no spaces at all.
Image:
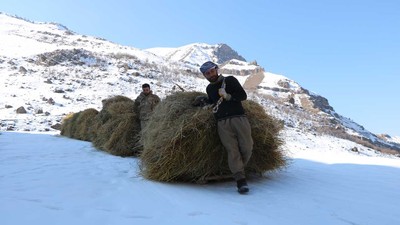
{"x":345,"y":50}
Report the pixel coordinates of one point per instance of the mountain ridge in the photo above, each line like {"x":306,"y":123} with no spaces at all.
{"x":55,"y":61}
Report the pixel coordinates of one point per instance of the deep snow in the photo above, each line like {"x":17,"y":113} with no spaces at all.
{"x":49,"y":179}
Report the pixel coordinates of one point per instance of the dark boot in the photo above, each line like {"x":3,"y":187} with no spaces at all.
{"x":242,"y":186}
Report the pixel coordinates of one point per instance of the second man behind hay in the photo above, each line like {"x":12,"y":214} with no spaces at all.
{"x":145,"y":104}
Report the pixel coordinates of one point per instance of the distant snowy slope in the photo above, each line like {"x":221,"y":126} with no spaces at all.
{"x":24,"y":38}
{"x":235,"y":64}
{"x":51,"y":71}
{"x":198,"y":53}
{"x":389,"y":138}
{"x":19,"y":37}
{"x":396,"y":139}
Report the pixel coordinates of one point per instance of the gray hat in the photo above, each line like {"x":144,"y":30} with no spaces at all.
{"x":208,"y":65}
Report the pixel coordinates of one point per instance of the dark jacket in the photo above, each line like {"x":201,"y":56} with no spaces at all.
{"x":230,"y":108}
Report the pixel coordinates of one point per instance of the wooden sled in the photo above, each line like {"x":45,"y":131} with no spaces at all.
{"x":214,"y":178}
{"x":226,"y":177}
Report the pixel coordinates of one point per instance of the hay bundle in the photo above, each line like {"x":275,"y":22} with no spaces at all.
{"x":181,"y":142}
{"x":264,"y":130}
{"x":117,"y":127}
{"x":80,"y":125}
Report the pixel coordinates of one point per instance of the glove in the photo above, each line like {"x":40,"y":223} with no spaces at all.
{"x":223,"y":94}
{"x":200,"y":101}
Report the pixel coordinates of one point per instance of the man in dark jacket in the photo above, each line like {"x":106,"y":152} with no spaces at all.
{"x":233,"y":127}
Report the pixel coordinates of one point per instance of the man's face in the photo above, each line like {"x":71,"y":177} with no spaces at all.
{"x":146,"y":90}
{"x":211,"y":75}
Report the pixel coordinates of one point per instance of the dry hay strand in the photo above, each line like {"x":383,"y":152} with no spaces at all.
{"x":267,"y":154}
{"x":114,"y":129}
{"x":181,"y":142}
{"x":118,"y":136}
{"x":117,"y":127}
{"x":114,"y":106}
{"x":68,"y":124}
{"x":110,"y":102}
{"x":80,"y":125}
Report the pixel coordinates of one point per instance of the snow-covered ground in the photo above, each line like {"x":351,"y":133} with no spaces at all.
{"x":49,"y":179}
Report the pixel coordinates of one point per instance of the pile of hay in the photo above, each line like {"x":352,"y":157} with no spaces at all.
{"x":115,"y":129}
{"x":80,"y":125}
{"x":181,"y":142}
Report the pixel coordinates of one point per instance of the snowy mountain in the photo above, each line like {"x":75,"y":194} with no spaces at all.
{"x":48,"y":71}
{"x":198,"y":53}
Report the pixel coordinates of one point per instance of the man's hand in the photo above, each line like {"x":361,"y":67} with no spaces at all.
{"x":200,"y":101}
{"x":223,"y":94}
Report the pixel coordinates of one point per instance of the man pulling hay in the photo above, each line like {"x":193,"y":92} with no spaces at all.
{"x":181,"y":142}
{"x":226,"y":94}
